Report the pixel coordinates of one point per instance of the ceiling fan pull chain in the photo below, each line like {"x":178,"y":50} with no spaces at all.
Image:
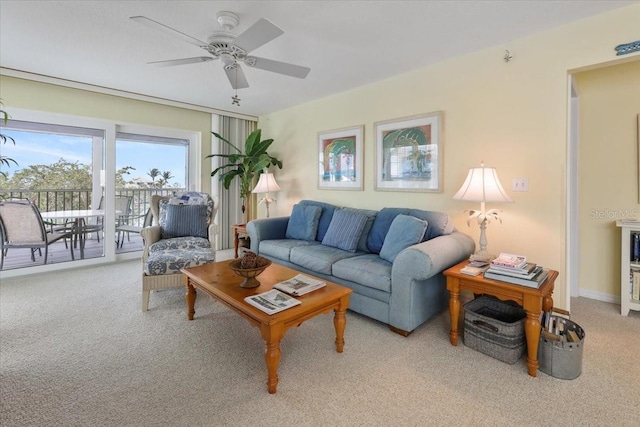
{"x":234,"y":99}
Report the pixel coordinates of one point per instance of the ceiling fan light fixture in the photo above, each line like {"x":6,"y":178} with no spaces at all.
{"x":228,"y":20}
{"x":228,"y":60}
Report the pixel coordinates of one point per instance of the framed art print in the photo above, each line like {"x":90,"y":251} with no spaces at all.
{"x":409,"y":153}
{"x":340,"y":159}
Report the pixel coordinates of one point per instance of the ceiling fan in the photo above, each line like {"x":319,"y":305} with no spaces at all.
{"x":231,"y":49}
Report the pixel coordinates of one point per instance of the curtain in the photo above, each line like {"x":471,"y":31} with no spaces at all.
{"x":235,"y":131}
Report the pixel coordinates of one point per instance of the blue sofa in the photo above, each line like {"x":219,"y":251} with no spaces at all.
{"x":393,"y":262}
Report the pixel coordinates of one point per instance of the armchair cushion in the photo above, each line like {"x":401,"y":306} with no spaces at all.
{"x":168,"y":256}
{"x":182,"y":220}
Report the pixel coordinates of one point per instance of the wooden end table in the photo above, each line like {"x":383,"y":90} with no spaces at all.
{"x":217,"y":280}
{"x":238,"y":230}
{"x":532,"y":300}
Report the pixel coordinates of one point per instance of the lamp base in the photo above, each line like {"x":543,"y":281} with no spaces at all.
{"x":482,"y":256}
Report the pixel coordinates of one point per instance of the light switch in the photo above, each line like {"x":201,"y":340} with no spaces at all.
{"x":520,"y":184}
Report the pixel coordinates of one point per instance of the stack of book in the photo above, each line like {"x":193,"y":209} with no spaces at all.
{"x":515,"y":269}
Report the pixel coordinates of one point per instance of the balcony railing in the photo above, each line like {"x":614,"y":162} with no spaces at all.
{"x":59,"y":200}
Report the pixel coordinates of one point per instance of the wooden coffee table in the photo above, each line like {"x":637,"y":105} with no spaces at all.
{"x":218,"y":281}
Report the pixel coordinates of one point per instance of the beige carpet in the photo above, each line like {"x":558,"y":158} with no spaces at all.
{"x":75,"y":350}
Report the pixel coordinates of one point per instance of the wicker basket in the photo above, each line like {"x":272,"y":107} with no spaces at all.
{"x":495,"y":328}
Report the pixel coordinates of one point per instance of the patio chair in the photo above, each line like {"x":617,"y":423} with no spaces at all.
{"x":123,"y":206}
{"x":126,"y":225}
{"x":21,"y":226}
{"x":184,"y":237}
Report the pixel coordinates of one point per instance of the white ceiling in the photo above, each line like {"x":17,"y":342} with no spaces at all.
{"x":345,"y":43}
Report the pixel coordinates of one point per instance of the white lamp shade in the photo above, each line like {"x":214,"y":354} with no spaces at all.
{"x":266,"y":184}
{"x":482,"y":185}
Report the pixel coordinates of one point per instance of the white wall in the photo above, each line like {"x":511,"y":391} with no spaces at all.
{"x":36,"y":96}
{"x":512,"y":116}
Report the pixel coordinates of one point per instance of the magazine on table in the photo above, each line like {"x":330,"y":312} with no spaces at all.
{"x":299,"y":285}
{"x":272,"y":301}
{"x":510,"y":260}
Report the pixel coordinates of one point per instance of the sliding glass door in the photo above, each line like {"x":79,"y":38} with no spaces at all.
{"x":146,"y":165}
{"x":96,"y":176}
{"x":57,"y":167}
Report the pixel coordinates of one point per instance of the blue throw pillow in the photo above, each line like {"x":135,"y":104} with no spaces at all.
{"x":405,"y":231}
{"x":438,"y":224}
{"x":371,"y":216}
{"x":303,"y":223}
{"x":345,"y":230}
{"x":183,"y":220}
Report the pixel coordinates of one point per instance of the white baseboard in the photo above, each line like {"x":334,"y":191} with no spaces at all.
{"x":599,"y":296}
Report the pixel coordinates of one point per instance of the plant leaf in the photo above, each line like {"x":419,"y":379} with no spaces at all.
{"x":251,"y":141}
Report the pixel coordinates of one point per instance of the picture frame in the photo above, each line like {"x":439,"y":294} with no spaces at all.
{"x":340,"y":157}
{"x":409,"y":153}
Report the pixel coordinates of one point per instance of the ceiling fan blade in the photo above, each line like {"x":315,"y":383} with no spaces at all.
{"x":168,"y":30}
{"x":278,"y":67}
{"x":236,"y":77}
{"x":260,"y":33}
{"x":183,"y":61}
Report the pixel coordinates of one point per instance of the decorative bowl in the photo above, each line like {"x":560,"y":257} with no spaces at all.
{"x":249,"y":274}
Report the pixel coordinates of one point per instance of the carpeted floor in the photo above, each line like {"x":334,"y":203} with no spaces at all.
{"x":75,"y":350}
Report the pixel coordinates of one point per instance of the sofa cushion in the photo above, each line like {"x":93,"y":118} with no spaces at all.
{"x":182,"y":220}
{"x":303,"y":223}
{"x":438,"y":224}
{"x":318,"y":258}
{"x":405,"y":231}
{"x":281,"y":248}
{"x":369,"y":270}
{"x":345,"y":229}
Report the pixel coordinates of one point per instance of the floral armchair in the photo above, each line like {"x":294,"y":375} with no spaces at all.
{"x":184,"y":237}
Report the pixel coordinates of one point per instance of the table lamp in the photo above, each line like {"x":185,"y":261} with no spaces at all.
{"x":482,"y":185}
{"x":266,"y":184}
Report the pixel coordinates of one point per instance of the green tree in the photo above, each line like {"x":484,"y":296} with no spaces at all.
{"x":154,"y":173}
{"x":59,"y":175}
{"x":120,"y":173}
{"x":164,"y":178}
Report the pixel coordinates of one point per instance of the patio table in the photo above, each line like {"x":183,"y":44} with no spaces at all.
{"x":79,"y":217}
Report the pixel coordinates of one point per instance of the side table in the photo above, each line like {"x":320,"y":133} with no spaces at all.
{"x":532,"y":300}
{"x":238,"y":230}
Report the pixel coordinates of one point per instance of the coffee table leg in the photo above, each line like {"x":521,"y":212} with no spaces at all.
{"x":272,"y":336}
{"x":190,"y":297}
{"x":340,"y":322}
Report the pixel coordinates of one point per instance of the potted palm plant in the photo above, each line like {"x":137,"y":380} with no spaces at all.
{"x":245,"y":165}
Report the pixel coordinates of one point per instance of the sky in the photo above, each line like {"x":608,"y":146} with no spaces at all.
{"x":33,"y":148}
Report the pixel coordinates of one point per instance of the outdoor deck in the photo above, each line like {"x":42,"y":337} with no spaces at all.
{"x":19,"y":258}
